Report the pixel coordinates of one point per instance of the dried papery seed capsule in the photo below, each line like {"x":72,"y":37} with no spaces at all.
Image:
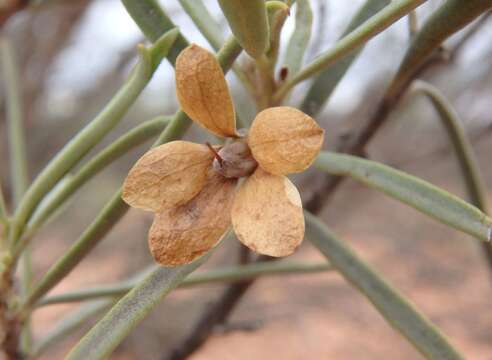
{"x":235,"y":160}
{"x":182,"y":234}
{"x":203,"y":92}
{"x":167,"y":176}
{"x":284,"y":140}
{"x":267,"y":214}
{"x":248,"y":22}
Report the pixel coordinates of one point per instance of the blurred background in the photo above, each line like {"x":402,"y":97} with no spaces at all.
{"x":75,"y":55}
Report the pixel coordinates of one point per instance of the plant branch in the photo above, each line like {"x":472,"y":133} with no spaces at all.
{"x":463,"y":148}
{"x":474,"y":28}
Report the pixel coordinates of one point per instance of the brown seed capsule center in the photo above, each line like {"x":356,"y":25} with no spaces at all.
{"x":234,"y":160}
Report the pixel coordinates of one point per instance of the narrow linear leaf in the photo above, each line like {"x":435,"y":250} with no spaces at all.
{"x":204,"y":21}
{"x":410,"y":190}
{"x":326,"y":82}
{"x":299,"y":40}
{"x":93,"y":132}
{"x":277,"y":13}
{"x":396,"y":309}
{"x":107,"y":156}
{"x":462,"y":147}
{"x":72,"y":322}
{"x":464,"y":151}
{"x":103,"y":338}
{"x":248,"y":22}
{"x":78,"y":318}
{"x":15,"y":117}
{"x":154,"y":22}
{"x":356,"y":38}
{"x":46,"y":203}
{"x":221,"y":275}
{"x":17,"y":158}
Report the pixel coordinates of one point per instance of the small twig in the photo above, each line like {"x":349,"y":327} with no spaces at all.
{"x":472,"y":31}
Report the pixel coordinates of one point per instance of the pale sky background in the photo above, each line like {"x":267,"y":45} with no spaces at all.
{"x":107,"y":30}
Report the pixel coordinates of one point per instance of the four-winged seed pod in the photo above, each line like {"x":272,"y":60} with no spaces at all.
{"x":192,"y":187}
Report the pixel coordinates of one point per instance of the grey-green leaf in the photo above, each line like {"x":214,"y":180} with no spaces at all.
{"x":154,"y":22}
{"x":398,"y":311}
{"x":325,"y":83}
{"x":419,"y":194}
{"x":299,"y":40}
{"x":69,"y":324}
{"x":248,"y":22}
{"x":345,"y":46}
{"x":277,"y":13}
{"x":127,"y":313}
{"x":202,"y":18}
{"x":457,"y":135}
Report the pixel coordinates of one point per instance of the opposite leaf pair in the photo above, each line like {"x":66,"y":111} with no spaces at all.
{"x":192,"y":187}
